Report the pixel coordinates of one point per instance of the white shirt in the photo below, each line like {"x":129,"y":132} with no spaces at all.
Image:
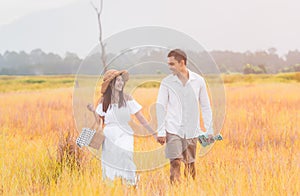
{"x":177,"y":107}
{"x":116,"y":115}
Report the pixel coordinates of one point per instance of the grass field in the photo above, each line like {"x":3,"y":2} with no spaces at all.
{"x":258,"y":156}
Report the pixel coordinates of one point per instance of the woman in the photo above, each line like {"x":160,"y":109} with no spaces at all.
{"x":115,"y":108}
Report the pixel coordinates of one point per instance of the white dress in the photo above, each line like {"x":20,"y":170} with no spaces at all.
{"x":117,"y":149}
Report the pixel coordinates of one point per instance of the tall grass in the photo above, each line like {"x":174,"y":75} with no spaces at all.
{"x":259,"y":154}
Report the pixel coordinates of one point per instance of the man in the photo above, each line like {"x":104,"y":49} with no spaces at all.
{"x":178,"y":115}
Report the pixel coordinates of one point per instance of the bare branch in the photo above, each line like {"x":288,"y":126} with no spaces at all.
{"x":98,"y":12}
{"x":101,"y":6}
{"x":93,"y":5}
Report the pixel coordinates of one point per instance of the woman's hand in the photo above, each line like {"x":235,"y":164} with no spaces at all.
{"x":155,"y":136}
{"x":90,"y":107}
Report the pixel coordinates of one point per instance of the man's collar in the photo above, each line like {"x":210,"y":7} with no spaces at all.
{"x":191,"y":76}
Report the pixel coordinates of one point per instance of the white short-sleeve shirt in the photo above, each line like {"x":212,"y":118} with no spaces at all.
{"x":114,"y":114}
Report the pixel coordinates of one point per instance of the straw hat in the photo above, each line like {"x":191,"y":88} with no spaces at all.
{"x":109,"y":75}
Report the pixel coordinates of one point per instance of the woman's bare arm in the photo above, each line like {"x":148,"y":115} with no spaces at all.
{"x":145,"y":123}
{"x":98,"y":119}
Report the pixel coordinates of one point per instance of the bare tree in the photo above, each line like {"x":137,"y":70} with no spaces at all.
{"x":99,"y":12}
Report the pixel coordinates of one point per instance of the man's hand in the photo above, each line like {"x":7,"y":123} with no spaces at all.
{"x":161,"y":140}
{"x":210,"y":138}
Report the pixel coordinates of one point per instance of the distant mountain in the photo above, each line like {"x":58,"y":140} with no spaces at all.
{"x":74,"y":27}
{"x":70,"y":27}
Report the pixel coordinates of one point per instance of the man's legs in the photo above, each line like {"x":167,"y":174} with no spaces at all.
{"x":174,"y":154}
{"x":175,"y":170}
{"x":189,"y":155}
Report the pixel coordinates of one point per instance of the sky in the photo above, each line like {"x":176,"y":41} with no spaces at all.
{"x":235,"y":25}
{"x":11,"y":10}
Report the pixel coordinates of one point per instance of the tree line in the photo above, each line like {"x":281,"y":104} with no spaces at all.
{"x":38,"y":62}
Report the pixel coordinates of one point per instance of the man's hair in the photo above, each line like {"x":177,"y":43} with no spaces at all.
{"x":178,"y":55}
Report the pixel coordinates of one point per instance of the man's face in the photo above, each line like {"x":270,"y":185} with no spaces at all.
{"x":174,"y":65}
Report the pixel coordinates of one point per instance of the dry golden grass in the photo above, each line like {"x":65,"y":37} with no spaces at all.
{"x":258,"y":156}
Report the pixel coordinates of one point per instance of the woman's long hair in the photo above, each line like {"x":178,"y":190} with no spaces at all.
{"x":106,"y":98}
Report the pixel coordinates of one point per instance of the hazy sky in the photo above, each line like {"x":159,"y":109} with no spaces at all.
{"x":217,"y":24}
{"x":11,"y":10}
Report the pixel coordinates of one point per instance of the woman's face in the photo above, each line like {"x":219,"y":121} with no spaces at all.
{"x":119,"y":84}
